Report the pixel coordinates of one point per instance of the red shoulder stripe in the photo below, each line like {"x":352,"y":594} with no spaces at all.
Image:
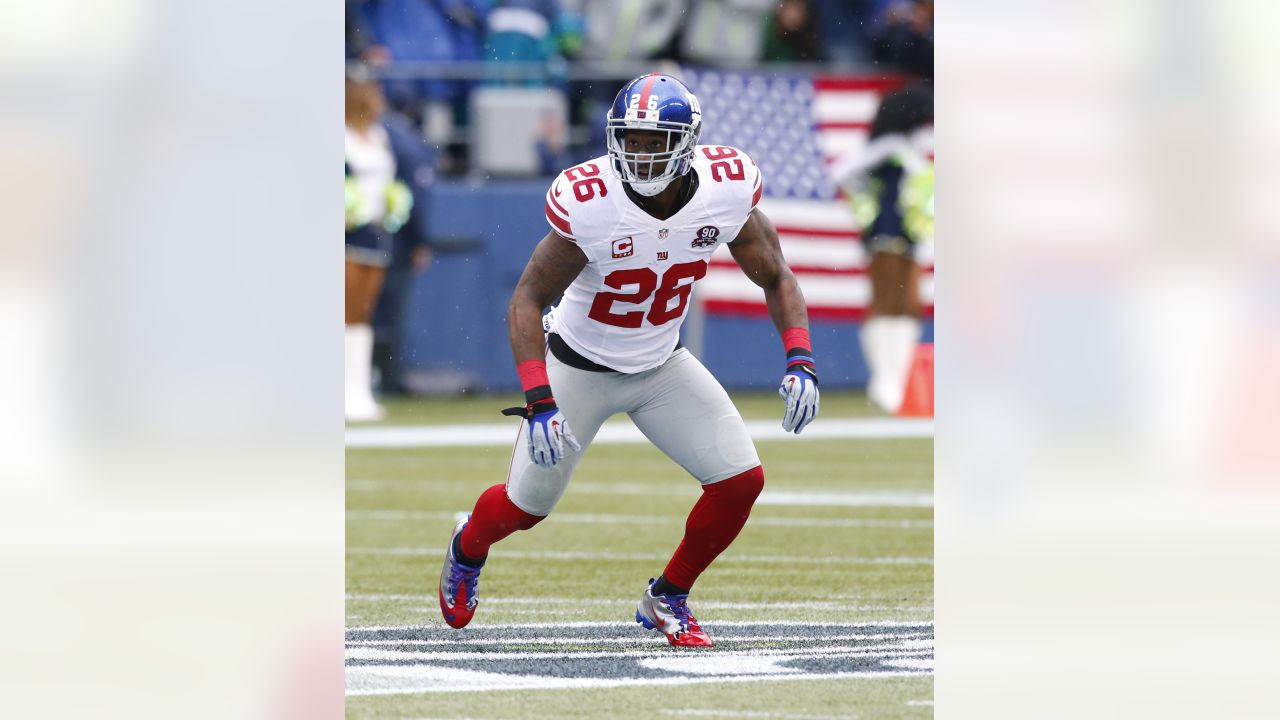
{"x":559,"y":223}
{"x":551,"y":195}
{"x":755,"y":198}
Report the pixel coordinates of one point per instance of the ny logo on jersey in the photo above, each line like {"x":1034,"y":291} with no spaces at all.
{"x":662,"y":254}
{"x":707,"y":235}
{"x":624,"y":247}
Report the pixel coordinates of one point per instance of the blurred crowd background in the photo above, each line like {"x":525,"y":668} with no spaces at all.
{"x":482,"y":100}
{"x":432,"y":56}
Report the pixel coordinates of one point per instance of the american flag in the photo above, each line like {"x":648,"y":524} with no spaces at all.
{"x":794,"y":127}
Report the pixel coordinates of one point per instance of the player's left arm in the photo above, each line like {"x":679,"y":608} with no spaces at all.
{"x":757,"y":251}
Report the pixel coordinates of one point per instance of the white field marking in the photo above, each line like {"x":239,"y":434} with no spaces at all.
{"x":607,"y":602}
{"x":846,"y":499}
{"x":920,"y":702}
{"x":909,"y":663}
{"x":905,"y":643}
{"x":605,"y":519}
{"x":417,"y":679}
{"x":696,"y":712}
{"x":873,"y":499}
{"x":623,"y":432}
{"x":798,"y":498}
{"x":651,"y":557}
{"x":894,"y":654}
{"x":613,"y":624}
{"x":718,"y":664}
{"x":547,"y":612}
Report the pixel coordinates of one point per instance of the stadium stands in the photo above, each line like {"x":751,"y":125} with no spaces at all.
{"x":505,"y":93}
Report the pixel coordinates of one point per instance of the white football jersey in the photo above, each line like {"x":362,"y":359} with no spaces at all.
{"x":625,"y":308}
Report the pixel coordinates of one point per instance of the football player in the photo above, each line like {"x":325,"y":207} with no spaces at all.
{"x":631,"y":232}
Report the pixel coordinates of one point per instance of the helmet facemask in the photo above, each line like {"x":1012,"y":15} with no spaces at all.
{"x":649,"y":173}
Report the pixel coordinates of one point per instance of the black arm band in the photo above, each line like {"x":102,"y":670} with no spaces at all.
{"x":537,"y":394}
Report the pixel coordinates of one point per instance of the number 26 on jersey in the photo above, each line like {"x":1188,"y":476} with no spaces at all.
{"x":670,"y":294}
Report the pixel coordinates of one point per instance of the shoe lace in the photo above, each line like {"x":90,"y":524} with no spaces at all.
{"x":679,"y":605}
{"x":468,"y":576}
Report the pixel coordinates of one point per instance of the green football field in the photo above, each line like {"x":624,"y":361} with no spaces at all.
{"x":822,"y":608}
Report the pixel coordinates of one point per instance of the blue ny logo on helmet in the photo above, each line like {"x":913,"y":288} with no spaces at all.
{"x":653,"y":103}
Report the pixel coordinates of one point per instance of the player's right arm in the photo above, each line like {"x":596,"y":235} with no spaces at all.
{"x":553,"y":267}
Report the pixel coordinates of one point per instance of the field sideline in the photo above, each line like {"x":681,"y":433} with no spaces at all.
{"x":821,"y":609}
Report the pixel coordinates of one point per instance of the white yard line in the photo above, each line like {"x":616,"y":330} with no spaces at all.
{"x":816,"y":605}
{"x":907,"y":651}
{"x":845,"y":499}
{"x":907,"y":644}
{"x":413,"y":680}
{"x":780,"y":498}
{"x":614,"y":624}
{"x":623,"y":432}
{"x":605,"y":519}
{"x":651,"y":557}
{"x":454,"y":663}
{"x":711,"y":712}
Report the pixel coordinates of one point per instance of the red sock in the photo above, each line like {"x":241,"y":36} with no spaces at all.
{"x":713,"y":523}
{"x":493,"y":518}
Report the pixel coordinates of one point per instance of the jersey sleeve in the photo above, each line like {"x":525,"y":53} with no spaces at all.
{"x":740,"y":188}
{"x":557,"y":208}
{"x":757,"y":178}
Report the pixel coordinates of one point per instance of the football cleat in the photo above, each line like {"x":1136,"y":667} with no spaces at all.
{"x":459,"y":584}
{"x":670,"y":615}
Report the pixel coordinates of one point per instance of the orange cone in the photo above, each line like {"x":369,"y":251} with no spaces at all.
{"x":917,"y":401}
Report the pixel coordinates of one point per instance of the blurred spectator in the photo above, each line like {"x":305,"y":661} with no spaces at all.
{"x":358,"y":37}
{"x":553,"y":154}
{"x":377,"y":206}
{"x":535,"y":33}
{"x":791,"y":34}
{"x":890,"y":181}
{"x":428,"y":31}
{"x":726,"y":33}
{"x":628,"y":29}
{"x":361,"y":45}
{"x":410,"y":254}
{"x":904,"y":37}
{"x":846,"y":27}
{"x":618,"y":32}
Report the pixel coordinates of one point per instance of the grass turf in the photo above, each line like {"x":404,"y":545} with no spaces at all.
{"x":627,"y":503}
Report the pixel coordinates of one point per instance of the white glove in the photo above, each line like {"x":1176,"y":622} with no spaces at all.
{"x":800,"y":389}
{"x":548,"y":433}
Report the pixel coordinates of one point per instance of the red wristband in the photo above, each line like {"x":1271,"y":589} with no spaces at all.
{"x":532,"y":374}
{"x":795,"y":338}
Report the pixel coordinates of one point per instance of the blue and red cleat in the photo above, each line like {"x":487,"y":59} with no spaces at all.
{"x":670,"y":615}
{"x":459,"y":585}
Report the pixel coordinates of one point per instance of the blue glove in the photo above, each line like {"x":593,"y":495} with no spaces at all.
{"x":800,"y":390}
{"x":548,"y":429}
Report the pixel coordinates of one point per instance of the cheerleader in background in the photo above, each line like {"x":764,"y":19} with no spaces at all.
{"x":890,"y":183}
{"x":377,"y":205}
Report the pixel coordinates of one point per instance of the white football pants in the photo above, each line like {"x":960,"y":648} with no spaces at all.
{"x":679,"y":406}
